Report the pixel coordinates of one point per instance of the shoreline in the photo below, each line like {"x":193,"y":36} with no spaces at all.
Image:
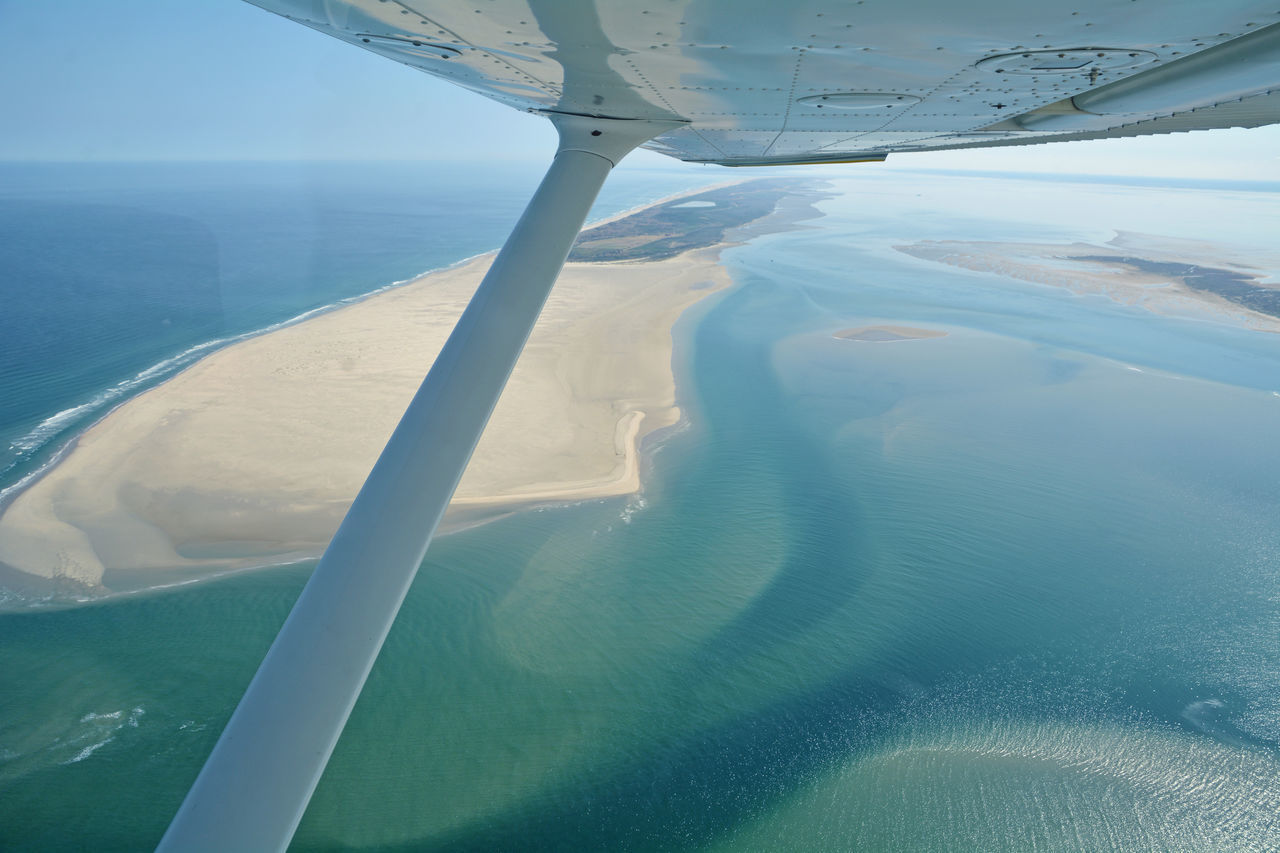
{"x":72,"y":553}
{"x":113,"y":525}
{"x":49,"y":597}
{"x":121,"y":392}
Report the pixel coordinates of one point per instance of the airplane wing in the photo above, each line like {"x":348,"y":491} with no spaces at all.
{"x":813,"y":81}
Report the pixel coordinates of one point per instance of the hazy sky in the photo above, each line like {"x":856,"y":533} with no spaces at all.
{"x":220,"y":79}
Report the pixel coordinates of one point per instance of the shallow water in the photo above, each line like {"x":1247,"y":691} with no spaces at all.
{"x":1012,"y":588}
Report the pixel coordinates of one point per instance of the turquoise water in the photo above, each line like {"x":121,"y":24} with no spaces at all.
{"x":1015,"y":588}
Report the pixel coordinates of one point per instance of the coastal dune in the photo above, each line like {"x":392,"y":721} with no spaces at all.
{"x":253,"y":454}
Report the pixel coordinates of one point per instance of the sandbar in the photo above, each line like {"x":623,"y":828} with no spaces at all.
{"x":252,"y":455}
{"x":888,"y":334}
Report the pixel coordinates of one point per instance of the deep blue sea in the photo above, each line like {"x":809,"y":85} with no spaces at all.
{"x":1014,"y":588}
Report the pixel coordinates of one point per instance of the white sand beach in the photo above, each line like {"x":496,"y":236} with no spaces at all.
{"x":252,"y":455}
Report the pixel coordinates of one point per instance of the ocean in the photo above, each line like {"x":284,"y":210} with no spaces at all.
{"x":1013,"y":588}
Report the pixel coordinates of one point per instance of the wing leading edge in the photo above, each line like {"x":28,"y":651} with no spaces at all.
{"x":759,"y":83}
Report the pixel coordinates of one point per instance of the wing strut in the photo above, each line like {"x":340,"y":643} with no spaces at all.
{"x":255,"y":785}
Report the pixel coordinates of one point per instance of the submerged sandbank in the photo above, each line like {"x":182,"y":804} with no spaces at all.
{"x":888,"y":334}
{"x":252,"y":455}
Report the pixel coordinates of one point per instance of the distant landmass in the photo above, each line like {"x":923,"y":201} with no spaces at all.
{"x":1236,"y":287}
{"x":1161,"y":274}
{"x":689,"y":222}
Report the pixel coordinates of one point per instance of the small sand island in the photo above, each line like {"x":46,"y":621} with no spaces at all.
{"x":888,"y":334}
{"x":1164,"y":275}
{"x":252,"y":455}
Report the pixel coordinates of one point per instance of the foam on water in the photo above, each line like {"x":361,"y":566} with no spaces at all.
{"x":80,"y":741}
{"x":1005,"y":784}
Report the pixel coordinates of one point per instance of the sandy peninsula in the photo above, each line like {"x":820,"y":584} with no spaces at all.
{"x":252,"y":455}
{"x":255,"y":452}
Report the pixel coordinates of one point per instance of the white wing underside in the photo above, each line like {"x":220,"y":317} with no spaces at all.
{"x":828,"y":81}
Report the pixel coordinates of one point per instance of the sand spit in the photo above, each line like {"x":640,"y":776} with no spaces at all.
{"x":252,"y":455}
